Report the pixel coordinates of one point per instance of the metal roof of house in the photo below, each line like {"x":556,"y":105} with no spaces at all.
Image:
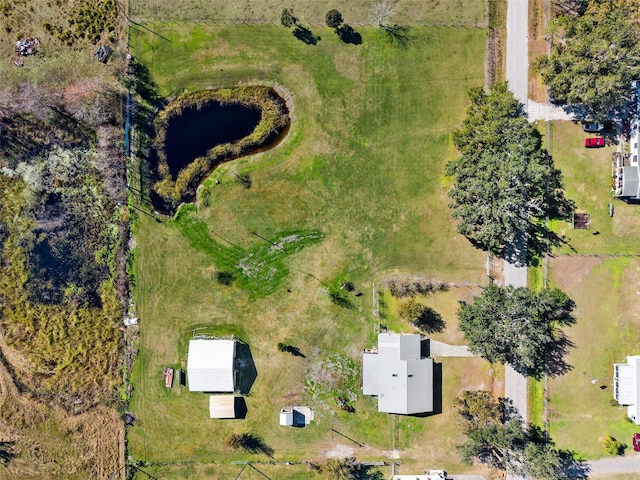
{"x":210,"y":365}
{"x":626,"y":386}
{"x":402,"y":380}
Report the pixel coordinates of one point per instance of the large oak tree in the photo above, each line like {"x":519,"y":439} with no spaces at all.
{"x":518,"y":326}
{"x":505,"y":181}
{"x":497,"y":436}
{"x":594,"y":58}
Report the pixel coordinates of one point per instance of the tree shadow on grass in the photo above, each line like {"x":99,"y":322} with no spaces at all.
{"x":398,"y":35}
{"x":430,"y":321}
{"x":254,"y":444}
{"x":246,"y":372}
{"x":556,"y":364}
{"x":7,"y":452}
{"x":340,"y":300}
{"x":347,"y":34}
{"x":305,"y":35}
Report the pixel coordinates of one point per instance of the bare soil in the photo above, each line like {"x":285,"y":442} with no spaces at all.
{"x":570,"y":270}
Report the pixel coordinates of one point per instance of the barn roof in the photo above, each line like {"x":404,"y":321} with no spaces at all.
{"x":210,"y":365}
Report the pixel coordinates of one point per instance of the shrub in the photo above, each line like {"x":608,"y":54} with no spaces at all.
{"x":287,"y":18}
{"x":612,"y":446}
{"x":225,"y":278}
{"x":333,"y":18}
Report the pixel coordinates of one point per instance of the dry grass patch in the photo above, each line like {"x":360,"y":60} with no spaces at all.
{"x":311,"y":12}
{"x":539,"y":17}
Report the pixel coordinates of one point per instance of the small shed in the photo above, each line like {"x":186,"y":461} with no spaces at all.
{"x":222,"y":406}
{"x":286,"y":417}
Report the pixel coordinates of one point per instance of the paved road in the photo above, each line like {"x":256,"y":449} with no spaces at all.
{"x":547,"y":111}
{"x":515,"y":385}
{"x":517,"y":49}
{"x":630,"y":463}
{"x":517,"y":75}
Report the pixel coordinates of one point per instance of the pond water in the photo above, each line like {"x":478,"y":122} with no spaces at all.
{"x":194,"y":132}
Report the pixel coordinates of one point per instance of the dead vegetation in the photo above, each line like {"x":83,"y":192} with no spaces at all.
{"x":63,"y":254}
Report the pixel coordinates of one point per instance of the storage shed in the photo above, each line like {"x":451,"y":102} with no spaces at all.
{"x":286,"y":417}
{"x":222,"y":406}
{"x":211,"y":366}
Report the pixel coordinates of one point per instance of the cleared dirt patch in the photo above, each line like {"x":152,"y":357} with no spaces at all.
{"x":570,"y":271}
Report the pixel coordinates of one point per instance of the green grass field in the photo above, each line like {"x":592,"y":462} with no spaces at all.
{"x":363,"y":166}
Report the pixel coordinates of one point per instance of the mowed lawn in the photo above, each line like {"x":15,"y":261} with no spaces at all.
{"x":587,"y":174}
{"x":606,"y":296}
{"x":364,"y":164}
{"x":598,"y":269}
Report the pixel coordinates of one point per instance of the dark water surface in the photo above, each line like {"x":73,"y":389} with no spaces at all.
{"x":194,"y":132}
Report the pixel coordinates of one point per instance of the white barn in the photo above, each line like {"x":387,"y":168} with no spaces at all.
{"x":210,"y":365}
{"x":398,"y":375}
{"x":626,"y":386}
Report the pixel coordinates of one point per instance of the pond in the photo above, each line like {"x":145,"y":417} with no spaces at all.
{"x":195,"y":131}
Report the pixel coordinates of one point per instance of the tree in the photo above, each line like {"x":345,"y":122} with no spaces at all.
{"x":381,"y":12}
{"x":595,"y":60}
{"x":333,"y":18}
{"x":497,"y":436}
{"x":348,"y":469}
{"x":287,"y":18}
{"x":423,"y":317}
{"x":505,"y":182}
{"x":518,"y":326}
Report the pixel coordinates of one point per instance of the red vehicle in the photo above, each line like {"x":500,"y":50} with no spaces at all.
{"x":636,"y":442}
{"x":594,"y":142}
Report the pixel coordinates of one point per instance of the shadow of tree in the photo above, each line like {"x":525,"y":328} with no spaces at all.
{"x":556,"y":364}
{"x":340,"y":300}
{"x":398,"y":35}
{"x":347,"y":34}
{"x":254,"y":444}
{"x":305,"y":35}
{"x":7,"y":452}
{"x":573,"y":467}
{"x":430,"y":321}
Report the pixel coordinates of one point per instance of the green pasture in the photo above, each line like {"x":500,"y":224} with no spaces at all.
{"x":359,"y":181}
{"x":311,"y":12}
{"x":580,"y":409}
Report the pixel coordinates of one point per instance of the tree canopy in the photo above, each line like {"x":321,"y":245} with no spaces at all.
{"x":519,"y":326}
{"x":505,"y":182}
{"x":287,"y":18}
{"x":333,"y":18}
{"x":497,"y":436}
{"x":595,"y":57}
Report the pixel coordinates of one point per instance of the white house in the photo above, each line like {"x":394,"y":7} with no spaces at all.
{"x":210,"y":365}
{"x":626,"y":379}
{"x":398,"y":375}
